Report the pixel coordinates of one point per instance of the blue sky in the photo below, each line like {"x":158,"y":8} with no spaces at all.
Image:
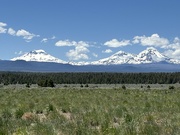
{"x":88,"y":30}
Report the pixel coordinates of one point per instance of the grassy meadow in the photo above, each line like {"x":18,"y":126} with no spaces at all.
{"x":89,"y":111}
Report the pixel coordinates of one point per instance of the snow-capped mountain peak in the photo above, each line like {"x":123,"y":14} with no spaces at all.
{"x":151,"y":51}
{"x":38,"y":52}
{"x":150,"y":55}
{"x":120,"y":57}
{"x":39,"y":56}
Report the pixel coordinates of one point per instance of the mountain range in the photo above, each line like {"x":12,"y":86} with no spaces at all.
{"x":150,"y":55}
{"x":149,"y":60}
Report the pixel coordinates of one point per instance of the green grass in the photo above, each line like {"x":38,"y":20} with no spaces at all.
{"x":86,"y":111}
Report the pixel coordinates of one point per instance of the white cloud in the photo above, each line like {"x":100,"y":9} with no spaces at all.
{"x":44,"y":40}
{"x":3,"y":24}
{"x":95,"y":55}
{"x":154,"y":40}
{"x":71,"y":43}
{"x":81,"y":43}
{"x":176,"y":53}
{"x":20,"y":33}
{"x":11,"y":32}
{"x":175,"y":44}
{"x":66,"y":43}
{"x":176,"y":40}
{"x":25,"y":34}
{"x":107,"y":51}
{"x":79,"y":52}
{"x":115,"y":43}
{"x":173,"y":49}
{"x":173,"y":53}
{"x":2,"y":29}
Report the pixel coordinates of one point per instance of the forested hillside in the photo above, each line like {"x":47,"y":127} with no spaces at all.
{"x":89,"y":78}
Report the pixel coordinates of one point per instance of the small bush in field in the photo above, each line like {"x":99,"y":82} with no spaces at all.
{"x":86,"y":85}
{"x":46,"y":83}
{"x":64,"y":110}
{"x":171,"y":87}
{"x":124,"y":87}
{"x":27,"y":85}
{"x":50,"y":107}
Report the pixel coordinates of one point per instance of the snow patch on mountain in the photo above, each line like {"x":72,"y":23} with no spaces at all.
{"x":39,"y":56}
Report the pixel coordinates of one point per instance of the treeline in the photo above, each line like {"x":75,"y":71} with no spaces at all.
{"x":89,"y":78}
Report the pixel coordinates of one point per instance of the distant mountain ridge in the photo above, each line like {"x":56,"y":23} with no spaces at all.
{"x":32,"y":66}
{"x":150,"y":55}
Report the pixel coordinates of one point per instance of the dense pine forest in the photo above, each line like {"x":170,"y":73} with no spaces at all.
{"x":89,"y":78}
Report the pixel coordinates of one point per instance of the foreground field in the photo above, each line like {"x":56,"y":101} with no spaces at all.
{"x":81,"y":111}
